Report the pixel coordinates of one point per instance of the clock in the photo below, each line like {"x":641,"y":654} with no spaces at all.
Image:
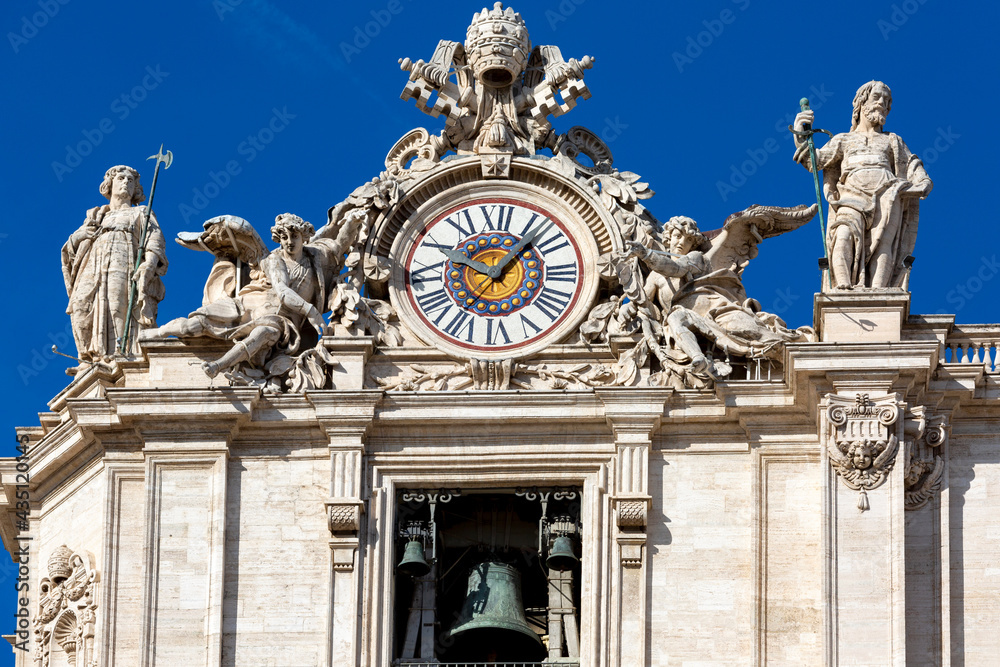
{"x":495,"y":276}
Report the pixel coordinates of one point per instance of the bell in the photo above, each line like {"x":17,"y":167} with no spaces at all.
{"x":491,"y":625}
{"x":413,"y":563}
{"x":561,"y":556}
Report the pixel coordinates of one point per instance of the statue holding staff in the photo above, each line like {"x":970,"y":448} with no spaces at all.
{"x":99,"y":264}
{"x":873,"y":184}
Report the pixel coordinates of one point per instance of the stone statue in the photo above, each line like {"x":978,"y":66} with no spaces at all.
{"x":277,"y":316}
{"x":98,"y":263}
{"x":693,"y":291}
{"x":873,"y":183}
{"x":495,"y":91}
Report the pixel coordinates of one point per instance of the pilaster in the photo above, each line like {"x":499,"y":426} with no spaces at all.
{"x":864,"y":527}
{"x":634,"y":415}
{"x":186,"y":435}
{"x":346,"y":416}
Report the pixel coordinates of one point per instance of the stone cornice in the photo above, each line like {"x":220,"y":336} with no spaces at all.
{"x":634,"y":414}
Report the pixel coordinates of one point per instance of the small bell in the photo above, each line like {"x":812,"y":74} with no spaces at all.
{"x":561,"y":556}
{"x":414,"y":564}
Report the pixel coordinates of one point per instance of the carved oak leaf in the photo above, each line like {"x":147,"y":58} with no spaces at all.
{"x":346,"y":299}
{"x":373,"y":318}
{"x":280,"y":365}
{"x":640,"y":190}
{"x":599,"y":374}
{"x":627,"y":369}
{"x":310,"y":370}
{"x":596,"y":326}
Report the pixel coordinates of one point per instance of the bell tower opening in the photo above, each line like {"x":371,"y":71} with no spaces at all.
{"x":487,"y":576}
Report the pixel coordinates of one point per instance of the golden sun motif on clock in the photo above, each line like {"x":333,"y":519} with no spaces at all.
{"x":494,"y":275}
{"x":514,"y":285}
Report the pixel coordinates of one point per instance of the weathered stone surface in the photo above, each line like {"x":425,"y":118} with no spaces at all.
{"x":829,"y":501}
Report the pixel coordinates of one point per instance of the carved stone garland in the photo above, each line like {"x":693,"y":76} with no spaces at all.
{"x":66,"y":611}
{"x":861,"y":444}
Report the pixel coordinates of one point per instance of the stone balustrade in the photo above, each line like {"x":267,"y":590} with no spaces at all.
{"x":974,"y":344}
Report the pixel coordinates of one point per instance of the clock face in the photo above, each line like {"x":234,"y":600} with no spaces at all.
{"x":493,"y":276}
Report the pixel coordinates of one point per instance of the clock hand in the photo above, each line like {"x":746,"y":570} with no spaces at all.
{"x":497,"y":269}
{"x":458,"y":257}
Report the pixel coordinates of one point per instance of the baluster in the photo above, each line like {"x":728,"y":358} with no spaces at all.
{"x":954,"y":354}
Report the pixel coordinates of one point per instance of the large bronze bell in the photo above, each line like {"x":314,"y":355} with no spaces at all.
{"x":491,"y":625}
{"x":414,"y":564}
{"x":561,"y":556}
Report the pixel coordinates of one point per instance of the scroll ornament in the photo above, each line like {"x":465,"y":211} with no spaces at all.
{"x":861,"y":444}
{"x":924,"y":434}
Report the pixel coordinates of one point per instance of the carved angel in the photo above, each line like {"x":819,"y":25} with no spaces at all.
{"x":923,"y":480}
{"x":237,"y":248}
{"x":924,"y":433}
{"x":693,"y":288}
{"x":275,"y":318}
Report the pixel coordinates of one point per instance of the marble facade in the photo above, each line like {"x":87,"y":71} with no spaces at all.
{"x":238,"y":489}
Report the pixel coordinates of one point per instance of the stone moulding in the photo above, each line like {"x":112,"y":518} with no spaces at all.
{"x":631,"y":550}
{"x":861,"y":445}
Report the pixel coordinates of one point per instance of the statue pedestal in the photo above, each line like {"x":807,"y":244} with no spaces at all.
{"x":351,"y":353}
{"x":861,"y":316}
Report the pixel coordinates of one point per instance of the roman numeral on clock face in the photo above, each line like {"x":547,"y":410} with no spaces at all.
{"x":552,"y":302}
{"x":459,"y":220}
{"x":499,"y":213}
{"x":552,"y":243}
{"x":566,"y":273}
{"x":494,"y":330}
{"x":433,"y":301}
{"x":463,"y":323}
{"x":426,"y":274}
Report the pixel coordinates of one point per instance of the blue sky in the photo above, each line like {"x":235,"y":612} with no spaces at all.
{"x":301,"y":102}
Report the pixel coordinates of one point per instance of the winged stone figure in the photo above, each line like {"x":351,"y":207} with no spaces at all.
{"x":269,"y":304}
{"x":692,"y":290}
